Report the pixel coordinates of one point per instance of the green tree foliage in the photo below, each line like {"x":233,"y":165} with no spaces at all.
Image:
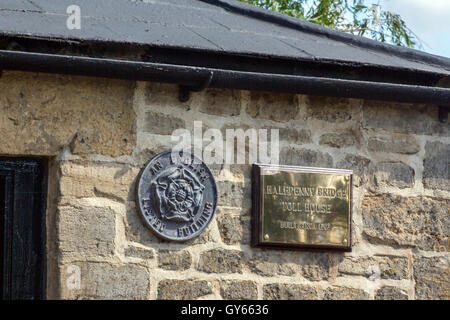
{"x":358,"y":17}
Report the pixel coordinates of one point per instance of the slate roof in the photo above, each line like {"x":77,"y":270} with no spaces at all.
{"x":221,"y":26}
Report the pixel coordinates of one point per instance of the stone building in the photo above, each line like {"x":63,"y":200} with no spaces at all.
{"x":85,"y":109}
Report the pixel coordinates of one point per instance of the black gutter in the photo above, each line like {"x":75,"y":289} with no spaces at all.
{"x":198,"y":77}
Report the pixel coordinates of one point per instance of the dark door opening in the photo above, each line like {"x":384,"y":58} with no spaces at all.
{"x":23,"y":192}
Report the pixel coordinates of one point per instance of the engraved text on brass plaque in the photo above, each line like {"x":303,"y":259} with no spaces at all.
{"x":301,"y":207}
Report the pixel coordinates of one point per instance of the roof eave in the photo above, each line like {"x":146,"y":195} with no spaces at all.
{"x":198,"y":78}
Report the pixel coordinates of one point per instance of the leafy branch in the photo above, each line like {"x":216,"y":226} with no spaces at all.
{"x":352,"y":16}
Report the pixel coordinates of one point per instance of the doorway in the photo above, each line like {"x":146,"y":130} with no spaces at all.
{"x":23,"y":193}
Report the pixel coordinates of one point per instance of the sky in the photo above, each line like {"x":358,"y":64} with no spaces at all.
{"x":428,"y":19}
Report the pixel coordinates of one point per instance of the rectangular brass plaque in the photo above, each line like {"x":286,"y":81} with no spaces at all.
{"x":301,"y":207}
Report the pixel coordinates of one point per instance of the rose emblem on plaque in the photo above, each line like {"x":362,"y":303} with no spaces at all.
{"x":177,"y":196}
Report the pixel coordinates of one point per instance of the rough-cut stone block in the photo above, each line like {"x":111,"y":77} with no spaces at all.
{"x":393,"y":267}
{"x":436,"y":166}
{"x":115,"y":182}
{"x":421,"y":222}
{"x":329,"y":108}
{"x":390,"y":293}
{"x":376,"y":267}
{"x":135,"y":228}
{"x":280,"y":107}
{"x":432,"y":276}
{"x":234,"y":229}
{"x":311,"y":265}
{"x":221,"y":261}
{"x":393,"y":174}
{"x":161,"y":95}
{"x":402,"y":118}
{"x":270,"y":268}
{"x":138,"y":252}
{"x":295,"y":136}
{"x":241,"y":172}
{"x":183,"y":289}
{"x":345,"y":293}
{"x":282,"y":291}
{"x":304,"y":157}
{"x":315,"y":266}
{"x":239,"y":143}
{"x":396,"y":143}
{"x":143,"y":156}
{"x":232,"y":211}
{"x":290,"y":135}
{"x":238,"y":290}
{"x":101,"y":280}
{"x":174,"y":260}
{"x":86,"y":231}
{"x":234,"y":194}
{"x":160,"y":123}
{"x":359,"y":165}
{"x":221,"y":102}
{"x":337,"y":140}
{"x":40,"y":114}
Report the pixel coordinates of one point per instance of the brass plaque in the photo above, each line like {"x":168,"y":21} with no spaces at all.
{"x":301,"y":207}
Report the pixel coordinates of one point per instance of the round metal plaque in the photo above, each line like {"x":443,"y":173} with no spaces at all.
{"x":177,"y":196}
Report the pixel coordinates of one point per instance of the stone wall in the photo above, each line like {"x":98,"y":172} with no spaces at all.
{"x":99,"y":133}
